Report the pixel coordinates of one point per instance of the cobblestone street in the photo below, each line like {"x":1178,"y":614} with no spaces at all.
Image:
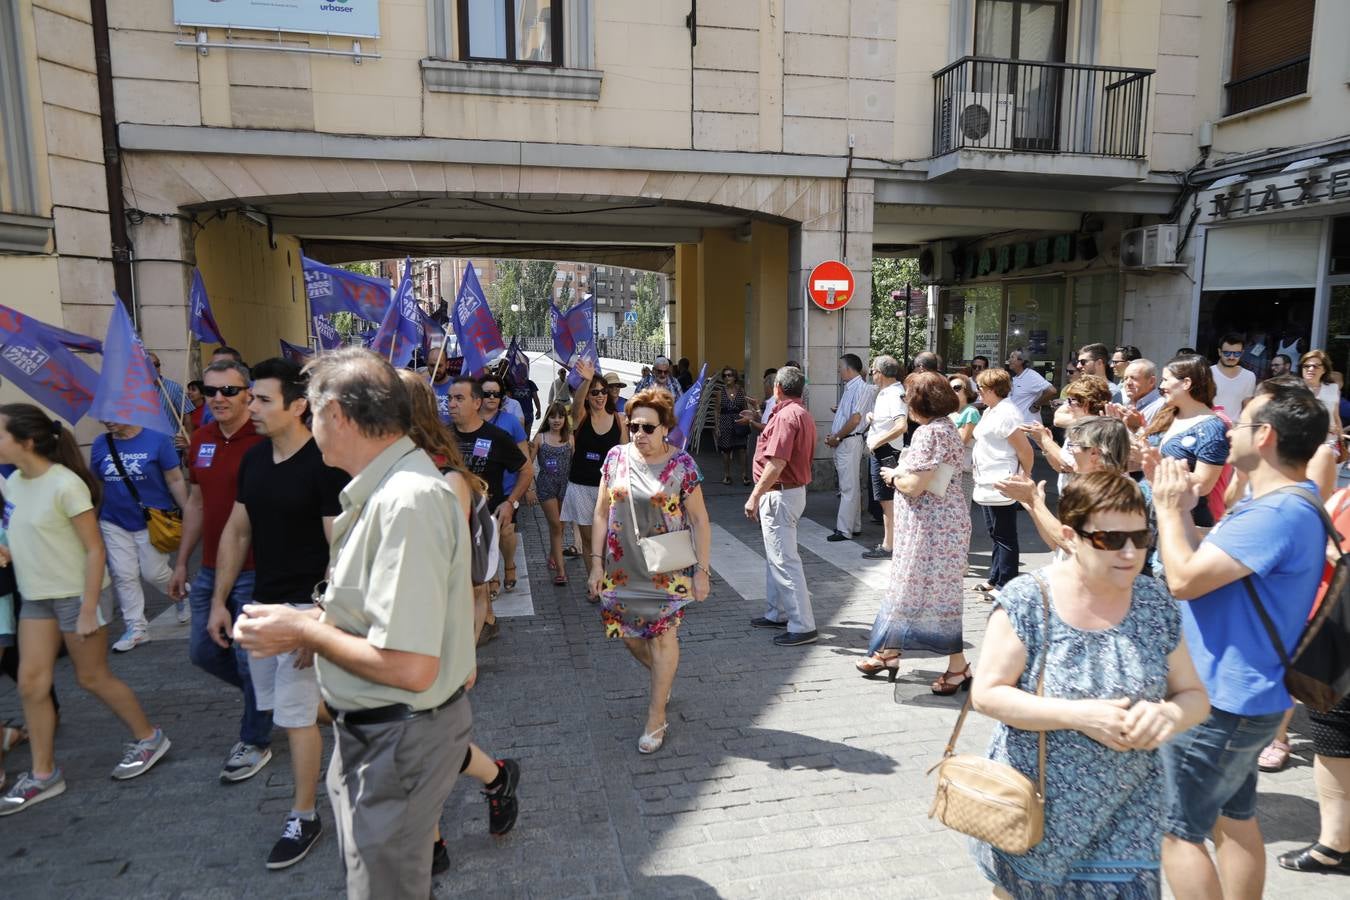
{"x":784,"y":773}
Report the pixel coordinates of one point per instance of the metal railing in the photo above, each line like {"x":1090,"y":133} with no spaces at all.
{"x":627,"y":349}
{"x":1285,"y":80}
{"x":1040,"y":107}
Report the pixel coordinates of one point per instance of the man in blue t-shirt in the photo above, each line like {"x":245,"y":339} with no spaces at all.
{"x":149,"y":462}
{"x":1274,"y":538}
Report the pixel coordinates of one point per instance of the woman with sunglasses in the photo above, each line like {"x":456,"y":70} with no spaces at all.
{"x":1315,"y":367}
{"x":1117,"y":677}
{"x":1188,"y":428}
{"x":731,"y":433}
{"x":661,"y":485}
{"x":1086,"y":395}
{"x":597,"y":428}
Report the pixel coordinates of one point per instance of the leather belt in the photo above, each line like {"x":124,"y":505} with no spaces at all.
{"x":779,"y":486}
{"x":395,"y":712}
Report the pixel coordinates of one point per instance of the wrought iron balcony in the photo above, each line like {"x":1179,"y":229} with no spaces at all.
{"x":1040,"y":107}
{"x":1286,"y":80}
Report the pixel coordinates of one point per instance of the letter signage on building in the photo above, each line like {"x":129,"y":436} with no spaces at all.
{"x":1280,"y":193}
{"x":347,"y":18}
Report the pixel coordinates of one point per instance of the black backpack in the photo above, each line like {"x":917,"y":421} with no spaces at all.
{"x":1317,"y":672}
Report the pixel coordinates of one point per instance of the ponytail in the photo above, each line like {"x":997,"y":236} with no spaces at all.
{"x":51,"y":440}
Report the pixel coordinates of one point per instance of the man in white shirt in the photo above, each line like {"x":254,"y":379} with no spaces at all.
{"x":1029,"y":389}
{"x":846,"y":438}
{"x":885,"y":437}
{"x":1233,"y":385}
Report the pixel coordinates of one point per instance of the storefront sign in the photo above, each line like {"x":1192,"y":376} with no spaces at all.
{"x":986,"y":343}
{"x":1281,"y":192}
{"x":348,"y":18}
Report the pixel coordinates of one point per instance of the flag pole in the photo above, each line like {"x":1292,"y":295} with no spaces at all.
{"x":178,"y":416}
{"x":431,"y":370}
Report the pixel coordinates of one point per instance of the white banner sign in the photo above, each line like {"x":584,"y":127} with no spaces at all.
{"x":348,"y":18}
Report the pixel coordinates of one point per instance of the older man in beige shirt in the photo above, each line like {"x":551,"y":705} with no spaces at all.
{"x":393,"y":645}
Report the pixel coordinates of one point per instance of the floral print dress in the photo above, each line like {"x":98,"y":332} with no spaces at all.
{"x":635,"y":603}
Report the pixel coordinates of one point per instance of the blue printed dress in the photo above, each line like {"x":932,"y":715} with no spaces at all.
{"x":1103,"y":808}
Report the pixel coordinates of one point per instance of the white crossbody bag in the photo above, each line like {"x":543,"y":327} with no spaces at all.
{"x":669,"y":552}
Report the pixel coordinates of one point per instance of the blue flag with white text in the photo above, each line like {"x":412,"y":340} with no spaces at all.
{"x":401,"y":332}
{"x":296,"y":354}
{"x":333,"y":290}
{"x":480,"y":340}
{"x":201,"y":321}
{"x":327,"y":337}
{"x":686,"y":407}
{"x":574,"y":337}
{"x":127,"y":391}
{"x":37,"y":359}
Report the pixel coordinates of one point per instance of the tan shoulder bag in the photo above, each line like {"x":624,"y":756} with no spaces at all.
{"x":669,"y":552}
{"x":992,"y":801}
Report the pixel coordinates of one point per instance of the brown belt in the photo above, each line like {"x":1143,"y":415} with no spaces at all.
{"x":779,"y":486}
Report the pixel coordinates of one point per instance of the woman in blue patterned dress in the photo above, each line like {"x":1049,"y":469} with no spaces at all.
{"x":1119,"y":682}
{"x":1187,"y":428}
{"x":645,"y":608}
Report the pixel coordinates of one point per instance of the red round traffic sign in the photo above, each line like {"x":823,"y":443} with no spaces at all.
{"x":830,"y":285}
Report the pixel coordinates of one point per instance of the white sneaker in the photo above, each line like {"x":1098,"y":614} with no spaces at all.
{"x":129,"y":640}
{"x":182,"y":612}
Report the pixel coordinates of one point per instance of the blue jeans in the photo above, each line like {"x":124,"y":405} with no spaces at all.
{"x":228,"y":664}
{"x":1002,"y":524}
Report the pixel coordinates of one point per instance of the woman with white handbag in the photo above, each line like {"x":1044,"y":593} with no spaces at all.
{"x":650,"y":548}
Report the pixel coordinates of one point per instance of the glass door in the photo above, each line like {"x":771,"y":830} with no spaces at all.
{"x":1096,"y":310}
{"x":1036,"y":325}
{"x":1031,"y":31}
{"x":972,"y":319}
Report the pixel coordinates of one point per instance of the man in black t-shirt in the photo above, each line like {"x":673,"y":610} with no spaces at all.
{"x":285,"y":505}
{"x":489,"y":452}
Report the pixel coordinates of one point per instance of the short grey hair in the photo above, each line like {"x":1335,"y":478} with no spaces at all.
{"x":365,"y":387}
{"x":1108,"y":435}
{"x":792,"y":380}
{"x":887,"y":365}
{"x":661,"y":359}
{"x":1146,"y":366}
{"x":229,"y":365}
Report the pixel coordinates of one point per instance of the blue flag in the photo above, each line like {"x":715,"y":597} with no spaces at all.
{"x":296,"y":354}
{"x":686,"y":407}
{"x":127,"y":391}
{"x":328,"y":337}
{"x":332,"y":290}
{"x":401,"y":332}
{"x":480,"y":340}
{"x":574,"y":337}
{"x":201,"y":321}
{"x":37,"y":358}
{"x":518,"y":364}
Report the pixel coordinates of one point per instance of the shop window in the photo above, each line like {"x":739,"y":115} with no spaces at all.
{"x":1096,"y":310}
{"x":1036,"y":324}
{"x":972,"y":322}
{"x":1338,"y":328}
{"x":1280,"y":255}
{"x":1272,"y":40}
{"x":525,"y":32}
{"x":1340,"y":246}
{"x":1273,"y":320}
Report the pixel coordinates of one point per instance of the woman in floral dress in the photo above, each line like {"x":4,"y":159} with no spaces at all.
{"x":921,"y":609}
{"x":645,"y":608}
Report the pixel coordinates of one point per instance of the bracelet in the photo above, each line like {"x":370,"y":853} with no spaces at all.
{"x":706,"y":570}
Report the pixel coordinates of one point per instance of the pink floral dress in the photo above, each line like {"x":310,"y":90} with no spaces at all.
{"x":633,"y":602}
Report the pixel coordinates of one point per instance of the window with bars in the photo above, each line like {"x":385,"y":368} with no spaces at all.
{"x":1272,"y":41}
{"x":523,"y":32}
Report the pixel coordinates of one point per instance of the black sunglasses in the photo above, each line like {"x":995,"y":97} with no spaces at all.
{"x":491,"y":395}
{"x":1115,"y":540}
{"x":229,"y":390}
{"x":599,"y":392}
{"x":647,"y":429}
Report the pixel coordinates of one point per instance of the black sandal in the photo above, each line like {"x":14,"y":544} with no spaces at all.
{"x":1304,"y":861}
{"x":571,"y":550}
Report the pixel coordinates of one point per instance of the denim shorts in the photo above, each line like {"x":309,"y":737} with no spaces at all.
{"x":66,"y":610}
{"x":1211,"y":772}
{"x":887,"y":456}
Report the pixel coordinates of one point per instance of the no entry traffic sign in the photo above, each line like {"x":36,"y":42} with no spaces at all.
{"x":830,"y":285}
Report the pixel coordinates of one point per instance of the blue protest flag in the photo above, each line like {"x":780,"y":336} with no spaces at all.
{"x":578,"y":323}
{"x":518,"y":364}
{"x":40,"y":363}
{"x":686,"y":407}
{"x":201,"y":321}
{"x":296,"y":354}
{"x":127,"y":391}
{"x":328,"y":337}
{"x":480,"y":340}
{"x":13,"y":322}
{"x":401,"y":331}
{"x":332,"y":290}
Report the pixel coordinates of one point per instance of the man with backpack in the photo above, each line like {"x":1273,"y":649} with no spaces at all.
{"x":1269,"y":548}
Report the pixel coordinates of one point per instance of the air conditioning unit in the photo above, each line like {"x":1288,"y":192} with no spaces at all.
{"x":937,"y":263}
{"x":1150,"y":247}
{"x":977,"y":120}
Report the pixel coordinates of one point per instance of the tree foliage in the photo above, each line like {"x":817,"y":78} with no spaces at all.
{"x":651,"y":317}
{"x":888,"y":316}
{"x":528,"y":285}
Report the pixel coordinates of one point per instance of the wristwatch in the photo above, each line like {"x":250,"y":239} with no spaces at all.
{"x":515,"y":505}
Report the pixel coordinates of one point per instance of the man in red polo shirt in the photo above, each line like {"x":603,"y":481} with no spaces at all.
{"x":782,"y":472}
{"x":214,"y":454}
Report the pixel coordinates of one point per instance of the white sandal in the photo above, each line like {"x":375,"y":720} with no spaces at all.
{"x":652,"y":741}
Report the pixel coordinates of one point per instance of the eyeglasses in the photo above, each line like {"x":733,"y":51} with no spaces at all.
{"x":1085,"y":362}
{"x":492,"y":395}
{"x":1231,"y":354}
{"x":599,"y":392}
{"x":1115,"y":540}
{"x":633,"y":428}
{"x":660,"y":371}
{"x":229,"y":390}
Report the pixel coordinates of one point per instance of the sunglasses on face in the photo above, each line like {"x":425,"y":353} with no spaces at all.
{"x":1115,"y":540}
{"x":492,"y":395}
{"x":599,"y":392}
{"x":1084,"y":362}
{"x":634,"y":427}
{"x":1230,"y":353}
{"x":229,"y":390}
{"x":662,"y":372}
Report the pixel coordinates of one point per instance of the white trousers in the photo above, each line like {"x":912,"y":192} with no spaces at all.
{"x":847,"y":464}
{"x":788,"y":599}
{"x":132,"y":557}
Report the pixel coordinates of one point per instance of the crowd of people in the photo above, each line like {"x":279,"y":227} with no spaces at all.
{"x":356,"y":524}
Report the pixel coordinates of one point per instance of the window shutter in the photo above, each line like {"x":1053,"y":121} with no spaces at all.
{"x":1270,"y":33}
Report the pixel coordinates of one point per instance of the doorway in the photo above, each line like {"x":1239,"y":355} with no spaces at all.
{"x":1031,"y":31}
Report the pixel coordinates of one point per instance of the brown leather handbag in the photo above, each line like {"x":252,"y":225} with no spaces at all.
{"x":992,"y":801}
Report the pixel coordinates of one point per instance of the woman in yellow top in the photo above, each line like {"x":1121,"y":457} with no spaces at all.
{"x":60,"y":565}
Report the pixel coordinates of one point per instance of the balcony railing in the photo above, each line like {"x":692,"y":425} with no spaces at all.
{"x":1286,"y":80}
{"x":1040,"y":107}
